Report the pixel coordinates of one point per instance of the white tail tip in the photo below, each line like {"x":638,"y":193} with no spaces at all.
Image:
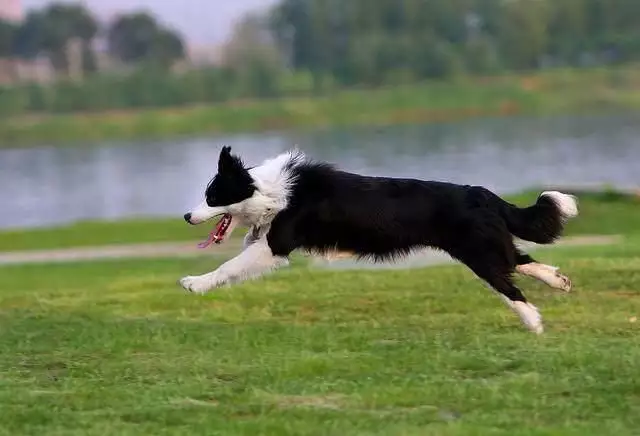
{"x":567,"y":204}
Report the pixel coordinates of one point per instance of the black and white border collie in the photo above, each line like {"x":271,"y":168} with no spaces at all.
{"x":291,"y":202}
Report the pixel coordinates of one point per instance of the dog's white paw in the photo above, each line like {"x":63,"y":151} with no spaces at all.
{"x":529,"y":315}
{"x":547,"y":274}
{"x":564,"y":282}
{"x":197,"y":284}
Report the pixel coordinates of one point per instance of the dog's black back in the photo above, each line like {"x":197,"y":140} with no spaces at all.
{"x":381,"y":218}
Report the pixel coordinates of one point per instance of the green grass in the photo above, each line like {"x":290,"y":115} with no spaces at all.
{"x":89,"y":233}
{"x":600,"y":214}
{"x":100,"y":233}
{"x":117,"y":348}
{"x":558,"y":91}
{"x":606,"y":213}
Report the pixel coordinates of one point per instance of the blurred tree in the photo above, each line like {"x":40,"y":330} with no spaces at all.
{"x":366,"y":40}
{"x":29,"y":38}
{"x":290,"y":24}
{"x":362,"y":63}
{"x":7,"y":34}
{"x":50,"y":31}
{"x":613,"y":29}
{"x":480,"y":56}
{"x":138,"y":38}
{"x":523,"y":32}
{"x":567,"y":31}
{"x":253,"y":56}
{"x":324,"y":42}
{"x":436,"y":59}
{"x":62,"y":24}
{"x":167,"y":48}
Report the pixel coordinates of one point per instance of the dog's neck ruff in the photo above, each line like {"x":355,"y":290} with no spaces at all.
{"x":273,"y":180}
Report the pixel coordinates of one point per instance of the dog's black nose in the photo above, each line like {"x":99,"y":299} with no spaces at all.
{"x":187,"y":217}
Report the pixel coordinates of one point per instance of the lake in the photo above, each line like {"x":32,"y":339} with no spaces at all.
{"x":47,"y":185}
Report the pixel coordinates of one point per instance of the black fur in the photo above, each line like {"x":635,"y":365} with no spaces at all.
{"x":382,"y":218}
{"x":231,"y":184}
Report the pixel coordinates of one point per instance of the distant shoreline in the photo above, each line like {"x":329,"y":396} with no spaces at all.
{"x":548,"y":93}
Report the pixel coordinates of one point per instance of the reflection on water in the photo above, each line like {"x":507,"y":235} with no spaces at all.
{"x":52,"y":185}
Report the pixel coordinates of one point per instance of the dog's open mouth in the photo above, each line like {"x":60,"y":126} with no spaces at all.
{"x":219,"y":231}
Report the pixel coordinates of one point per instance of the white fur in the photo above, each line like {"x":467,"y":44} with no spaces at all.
{"x":273,"y":183}
{"x":567,"y":204}
{"x":252,"y":236}
{"x":256,"y":260}
{"x":271,"y":178}
{"x":547,"y":274}
{"x":203,"y":212}
{"x":528,"y":313}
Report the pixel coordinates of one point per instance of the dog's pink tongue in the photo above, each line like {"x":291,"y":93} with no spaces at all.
{"x":217,"y":234}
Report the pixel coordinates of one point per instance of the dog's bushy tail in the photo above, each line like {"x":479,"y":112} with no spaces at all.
{"x":544,"y":221}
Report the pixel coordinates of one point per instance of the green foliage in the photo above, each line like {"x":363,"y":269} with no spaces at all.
{"x":329,"y":45}
{"x":135,"y":38}
{"x":29,"y":38}
{"x":221,"y":108}
{"x":481,"y":57}
{"x":146,"y":87}
{"x":366,"y":41}
{"x":7,"y":35}
{"x":138,"y":38}
{"x":12,"y":100}
{"x":50,"y":30}
{"x":255,"y":63}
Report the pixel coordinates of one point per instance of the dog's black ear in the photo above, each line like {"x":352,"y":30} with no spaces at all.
{"x":228,"y":163}
{"x":225,"y":161}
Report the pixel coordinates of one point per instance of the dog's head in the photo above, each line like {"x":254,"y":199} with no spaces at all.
{"x":224,"y":196}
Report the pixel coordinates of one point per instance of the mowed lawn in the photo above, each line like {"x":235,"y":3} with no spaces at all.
{"x":118,"y":348}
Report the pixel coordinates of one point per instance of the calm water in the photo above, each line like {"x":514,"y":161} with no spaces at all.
{"x":53,"y":185}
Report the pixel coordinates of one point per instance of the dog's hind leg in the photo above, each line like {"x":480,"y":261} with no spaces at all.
{"x":256,"y":260}
{"x":486,"y":247}
{"x":501,"y":281}
{"x":547,"y":274}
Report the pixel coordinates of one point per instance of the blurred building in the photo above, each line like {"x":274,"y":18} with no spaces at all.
{"x":17,"y":70}
{"x":11,"y":10}
{"x":205,"y":55}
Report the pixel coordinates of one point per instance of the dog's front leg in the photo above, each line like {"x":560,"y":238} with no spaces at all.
{"x":257,"y":259}
{"x":252,"y":236}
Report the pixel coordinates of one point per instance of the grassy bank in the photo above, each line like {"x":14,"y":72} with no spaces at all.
{"x":600,"y":214}
{"x":115,"y":348}
{"x":562,"y":91}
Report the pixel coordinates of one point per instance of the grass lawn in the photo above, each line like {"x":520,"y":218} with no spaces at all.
{"x":117,"y":348}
